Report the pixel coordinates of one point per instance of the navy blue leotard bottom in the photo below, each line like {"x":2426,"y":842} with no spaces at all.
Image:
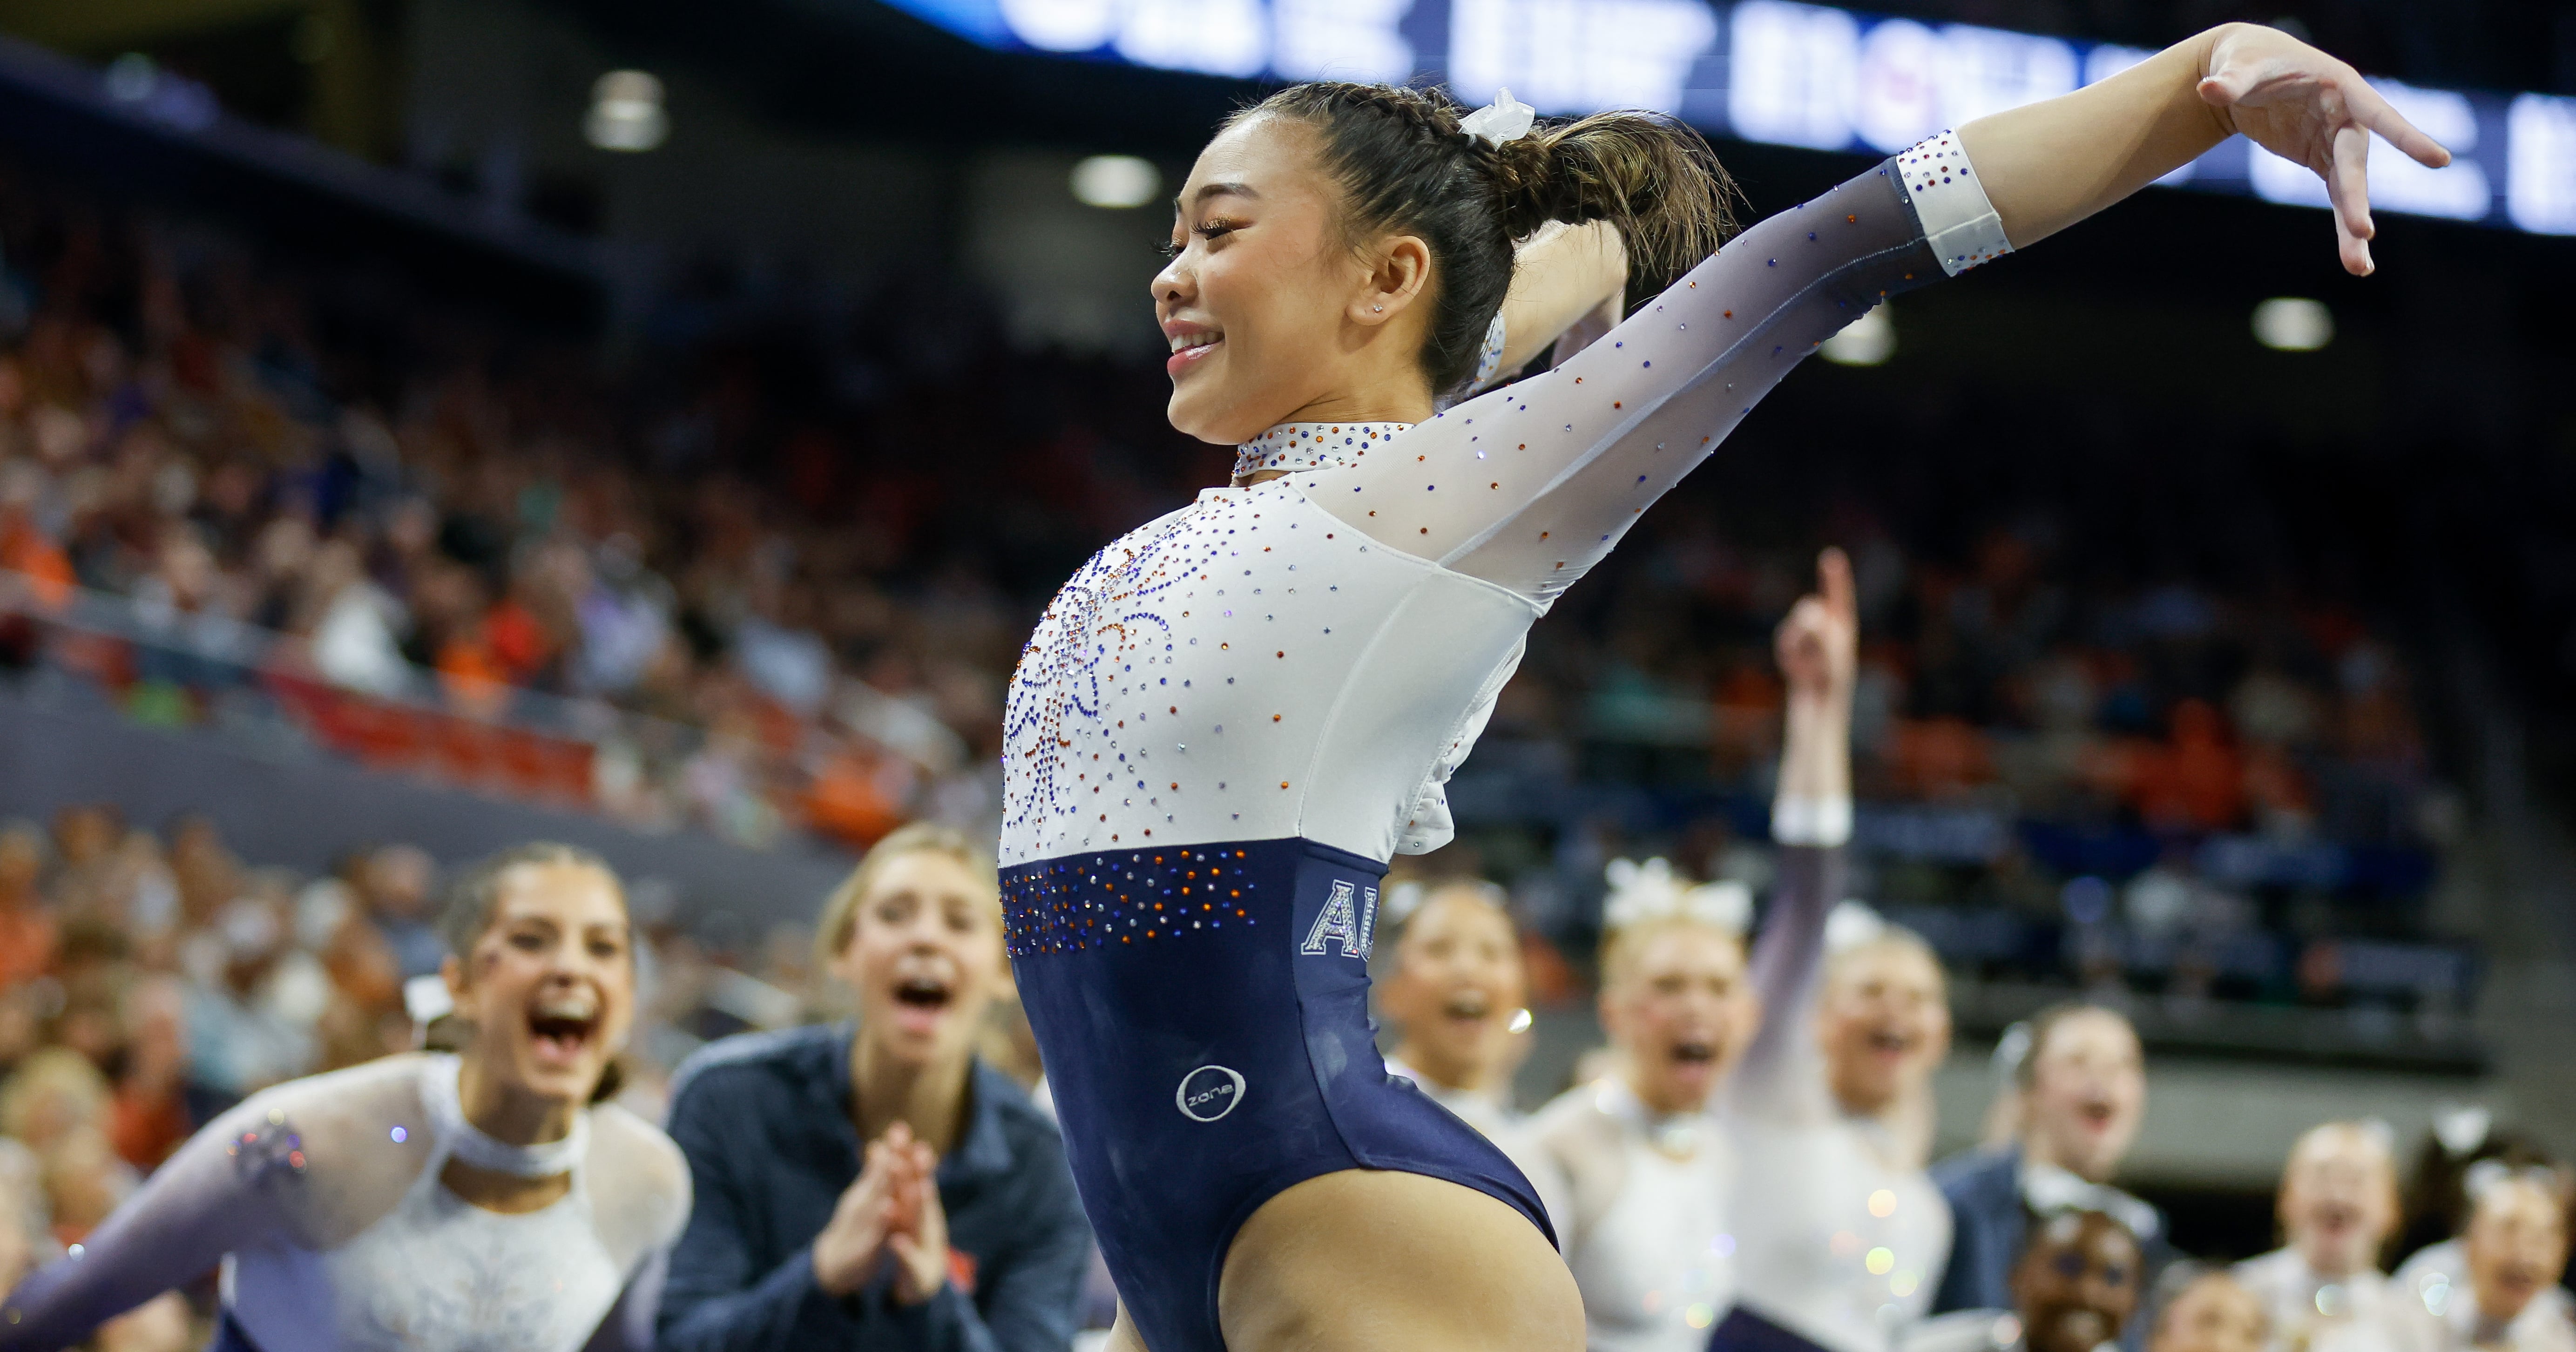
{"x":1203,"y":1011}
{"x":1744,"y":1331}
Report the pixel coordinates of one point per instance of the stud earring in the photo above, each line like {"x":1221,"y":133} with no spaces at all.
{"x":1379,"y":308}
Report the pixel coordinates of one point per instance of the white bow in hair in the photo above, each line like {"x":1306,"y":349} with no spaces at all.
{"x":1402,"y":900}
{"x":1652,"y":891}
{"x":1505,"y":119}
{"x":1852,"y":924}
{"x":2462,"y":1128}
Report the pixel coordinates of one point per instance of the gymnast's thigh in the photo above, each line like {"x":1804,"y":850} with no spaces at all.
{"x":1361,"y":1260}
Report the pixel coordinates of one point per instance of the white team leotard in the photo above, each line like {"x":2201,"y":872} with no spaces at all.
{"x":321,"y":1198}
{"x":1639,"y":1201}
{"x":2309,"y":1313}
{"x":1841,"y":1237}
{"x":2434,"y":1308}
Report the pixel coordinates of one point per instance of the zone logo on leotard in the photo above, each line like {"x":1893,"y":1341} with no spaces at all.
{"x":1353,"y":926}
{"x":1208,"y":1093}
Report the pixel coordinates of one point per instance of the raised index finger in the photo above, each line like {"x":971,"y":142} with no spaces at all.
{"x":1834,"y":573}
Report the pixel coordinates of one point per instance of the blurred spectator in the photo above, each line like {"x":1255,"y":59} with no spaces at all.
{"x":2338,"y":1205}
{"x":2077,"y":1282}
{"x":2075,"y":1286}
{"x":1634,"y":1167}
{"x":242,"y":1035}
{"x":2497,"y":1286}
{"x":27,"y":931}
{"x":1455,"y":992}
{"x":52,"y":1097}
{"x":2208,"y":1311}
{"x":84,"y":1182}
{"x":24,"y":1229}
{"x":400,"y":883}
{"x":364,"y":1017}
{"x":2080,"y":1088}
{"x":2437,"y":1193}
{"x":151,"y":1115}
{"x":876,"y":1185}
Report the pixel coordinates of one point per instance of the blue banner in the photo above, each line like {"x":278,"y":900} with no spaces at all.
{"x":1770,"y":71}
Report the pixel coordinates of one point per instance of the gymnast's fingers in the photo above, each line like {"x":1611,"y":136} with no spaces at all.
{"x":2374,"y":111}
{"x":2348,"y":189}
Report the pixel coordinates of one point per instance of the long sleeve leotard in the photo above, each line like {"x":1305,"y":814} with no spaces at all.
{"x":321,"y":1200}
{"x":1840,"y":1235}
{"x":1232,"y":717}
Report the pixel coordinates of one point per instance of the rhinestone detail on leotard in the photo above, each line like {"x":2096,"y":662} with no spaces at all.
{"x":1093,"y":900}
{"x":1292,"y":446}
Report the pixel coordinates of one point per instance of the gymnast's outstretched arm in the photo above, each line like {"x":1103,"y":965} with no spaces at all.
{"x":1530,"y":485}
{"x":230,"y":1186}
{"x":2050,"y":164}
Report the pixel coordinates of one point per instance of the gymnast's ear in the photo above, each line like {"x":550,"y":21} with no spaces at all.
{"x":1399,"y":270}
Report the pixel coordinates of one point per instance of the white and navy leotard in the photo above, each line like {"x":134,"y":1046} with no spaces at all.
{"x":321,"y":1198}
{"x":1231,"y":718}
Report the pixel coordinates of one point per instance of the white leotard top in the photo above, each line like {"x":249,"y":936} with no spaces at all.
{"x":1841,"y":1236}
{"x":322,"y":1200}
{"x":1639,"y":1204}
{"x":2433,"y":1308}
{"x":2309,"y":1313}
{"x":1313,"y":655}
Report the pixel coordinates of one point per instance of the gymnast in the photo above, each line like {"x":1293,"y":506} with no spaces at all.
{"x":1231,"y":718}
{"x":476,"y":1200}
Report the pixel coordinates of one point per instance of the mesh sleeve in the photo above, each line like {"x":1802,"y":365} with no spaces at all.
{"x":1783,"y":1072}
{"x":1531,"y":485}
{"x":225,"y":1188}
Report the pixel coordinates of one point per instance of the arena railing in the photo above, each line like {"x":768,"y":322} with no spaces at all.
{"x":163,"y":665}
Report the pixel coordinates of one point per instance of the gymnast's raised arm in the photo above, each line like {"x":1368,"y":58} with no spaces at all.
{"x":1530,"y":485}
{"x":2050,"y":164}
{"x":1818,"y":644}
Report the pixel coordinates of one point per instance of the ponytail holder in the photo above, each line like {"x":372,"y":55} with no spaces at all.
{"x":1505,"y":119}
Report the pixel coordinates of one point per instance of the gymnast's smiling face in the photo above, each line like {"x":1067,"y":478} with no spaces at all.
{"x":1272,"y":312}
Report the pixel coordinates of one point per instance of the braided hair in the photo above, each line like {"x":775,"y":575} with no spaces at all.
{"x":1404,"y":165}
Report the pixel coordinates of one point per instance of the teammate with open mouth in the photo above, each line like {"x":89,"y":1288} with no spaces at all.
{"x":347,"y":1208}
{"x":1456,"y":990}
{"x":1843,"y":1235}
{"x":879,"y":1183}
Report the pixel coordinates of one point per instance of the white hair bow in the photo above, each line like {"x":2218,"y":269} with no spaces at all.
{"x":1652,"y":891}
{"x":1851,"y":924}
{"x":1505,"y":119}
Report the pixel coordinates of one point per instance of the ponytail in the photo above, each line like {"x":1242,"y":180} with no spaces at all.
{"x":1403,"y":165}
{"x":1651,"y":176}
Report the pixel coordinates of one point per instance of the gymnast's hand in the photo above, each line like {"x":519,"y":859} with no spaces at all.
{"x":2309,"y":108}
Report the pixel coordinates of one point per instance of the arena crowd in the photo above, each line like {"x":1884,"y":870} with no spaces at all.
{"x":767,"y":575}
{"x":763,"y":575}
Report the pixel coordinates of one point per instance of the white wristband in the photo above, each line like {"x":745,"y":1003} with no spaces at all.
{"x":1820,"y":822}
{"x":1958,"y":221}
